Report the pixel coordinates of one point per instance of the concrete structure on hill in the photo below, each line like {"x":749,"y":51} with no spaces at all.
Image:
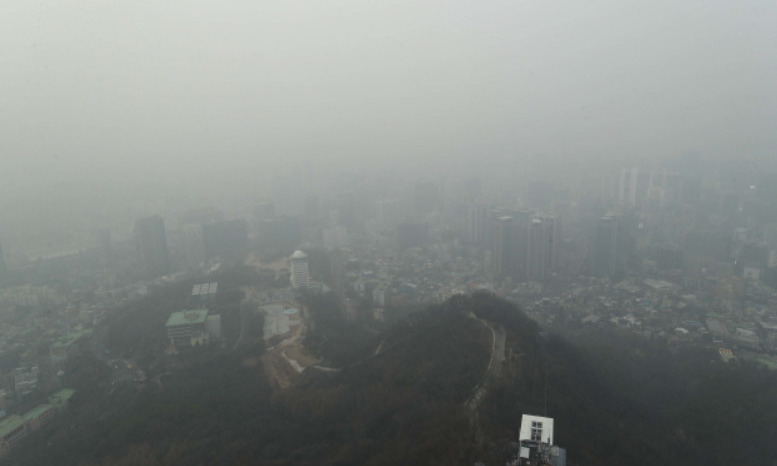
{"x":536,"y":439}
{"x":536,"y":428}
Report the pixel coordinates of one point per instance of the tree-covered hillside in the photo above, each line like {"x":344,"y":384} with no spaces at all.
{"x":616,"y":401}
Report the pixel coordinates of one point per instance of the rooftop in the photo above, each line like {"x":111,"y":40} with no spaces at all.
{"x":36,"y":412}
{"x":61,"y":396}
{"x":205,"y":288}
{"x":8,"y":425}
{"x":196,"y":316}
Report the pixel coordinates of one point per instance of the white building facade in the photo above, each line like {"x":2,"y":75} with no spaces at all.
{"x":300,"y":273}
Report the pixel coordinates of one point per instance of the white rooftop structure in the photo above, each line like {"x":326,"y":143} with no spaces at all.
{"x":537,"y":428}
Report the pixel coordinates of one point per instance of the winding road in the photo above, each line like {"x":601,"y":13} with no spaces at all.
{"x":498,"y":339}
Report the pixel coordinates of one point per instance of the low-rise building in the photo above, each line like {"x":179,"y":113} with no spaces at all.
{"x":14,"y":428}
{"x":12,"y":431}
{"x":39,"y":416}
{"x":204,"y":293}
{"x":187,"y":328}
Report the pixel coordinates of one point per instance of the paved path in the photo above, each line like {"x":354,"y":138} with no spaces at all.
{"x":498,"y":339}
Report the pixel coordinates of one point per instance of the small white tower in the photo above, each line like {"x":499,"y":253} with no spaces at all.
{"x":537,"y":428}
{"x":300,"y":274}
{"x":537,"y":447}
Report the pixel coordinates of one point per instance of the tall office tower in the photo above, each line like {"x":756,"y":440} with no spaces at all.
{"x":334,"y":237}
{"x":104,"y":247}
{"x":606,"y":255}
{"x":3,"y":268}
{"x":300,"y":273}
{"x":412,"y":234}
{"x":264,"y":210}
{"x":311,"y":210}
{"x":770,"y":236}
{"x":478,"y":224}
{"x":201,"y":216}
{"x":151,"y":244}
{"x":346,"y":209}
{"x":634,"y":186}
{"x":503,"y":255}
{"x":227,"y":240}
{"x":649,"y":189}
{"x":669,"y":257}
{"x":472,"y":188}
{"x":521,"y":219}
{"x":389,"y":213}
{"x":542,"y":247}
{"x":193,"y":244}
{"x":261,"y":212}
{"x":280,"y":233}
{"x":427,"y":198}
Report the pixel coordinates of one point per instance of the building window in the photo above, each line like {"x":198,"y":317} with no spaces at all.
{"x":536,"y":431}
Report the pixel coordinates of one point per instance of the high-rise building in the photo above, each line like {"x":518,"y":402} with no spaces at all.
{"x":334,"y":237}
{"x":634,"y":186}
{"x":201,"y":216}
{"x":509,"y":243}
{"x":709,"y":242}
{"x":389,"y":213}
{"x":542,"y":247}
{"x":606,"y":255}
{"x":412,"y":234}
{"x":643,"y":188}
{"x":3,"y":268}
{"x":504,"y":247}
{"x":104,"y":247}
{"x":192,"y":224}
{"x":311,"y":210}
{"x":346,"y":209}
{"x":151,"y":244}
{"x":300,"y":273}
{"x":262,"y":211}
{"x":770,"y":236}
{"x":193,"y":244}
{"x":427,"y":198}
{"x":280,"y":233}
{"x":478,"y":227}
{"x":227,"y":240}
{"x":669,"y":257}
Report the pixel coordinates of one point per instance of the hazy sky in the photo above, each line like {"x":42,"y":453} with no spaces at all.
{"x":133,"y":88}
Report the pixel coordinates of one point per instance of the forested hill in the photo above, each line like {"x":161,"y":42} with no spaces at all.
{"x":404,"y":405}
{"x":622,"y":400}
{"x":616,"y":401}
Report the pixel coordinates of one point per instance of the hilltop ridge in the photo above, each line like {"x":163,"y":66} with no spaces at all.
{"x":405,"y":396}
